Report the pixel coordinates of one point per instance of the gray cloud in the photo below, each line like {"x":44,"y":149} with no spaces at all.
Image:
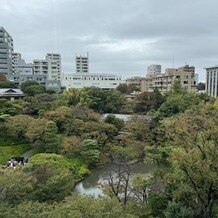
{"x":122,"y":36}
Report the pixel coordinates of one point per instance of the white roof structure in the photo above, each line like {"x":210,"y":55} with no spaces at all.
{"x":9,"y":92}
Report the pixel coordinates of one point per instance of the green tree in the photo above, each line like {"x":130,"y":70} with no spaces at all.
{"x":51,"y":138}
{"x":194,"y":171}
{"x":178,"y":210}
{"x":146,"y":101}
{"x":78,"y":97}
{"x":36,"y":130}
{"x":127,"y":88}
{"x":7,"y":84}
{"x":112,"y":119}
{"x":18,"y":125}
{"x":90,"y":152}
{"x":53,"y":176}
{"x":15,"y":186}
{"x":28,"y":83}
{"x":34,"y":90}
{"x":8,"y":107}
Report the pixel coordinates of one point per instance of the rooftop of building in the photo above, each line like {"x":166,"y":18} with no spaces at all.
{"x":212,"y":67}
{"x":91,"y":74}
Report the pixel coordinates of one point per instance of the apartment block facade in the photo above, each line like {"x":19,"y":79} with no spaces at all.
{"x":54,"y":66}
{"x":6,"y":51}
{"x":164,"y":81}
{"x":82,"y":64}
{"x":20,"y":67}
{"x":212,"y":81}
{"x":154,"y":69}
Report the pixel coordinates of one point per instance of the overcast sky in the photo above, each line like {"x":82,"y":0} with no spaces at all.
{"x":121,"y":36}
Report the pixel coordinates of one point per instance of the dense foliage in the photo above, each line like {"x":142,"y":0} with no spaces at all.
{"x":177,"y":133}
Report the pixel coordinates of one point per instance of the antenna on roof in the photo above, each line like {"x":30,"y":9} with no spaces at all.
{"x":173,"y":61}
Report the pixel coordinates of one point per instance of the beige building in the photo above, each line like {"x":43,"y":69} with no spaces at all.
{"x":142,"y":83}
{"x":185,"y":74}
{"x":164,"y":82}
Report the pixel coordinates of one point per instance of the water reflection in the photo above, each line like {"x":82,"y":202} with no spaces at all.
{"x":90,"y":185}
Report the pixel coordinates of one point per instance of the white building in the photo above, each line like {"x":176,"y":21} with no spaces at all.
{"x":22,"y":68}
{"x":6,"y":51}
{"x":154,"y":69}
{"x":212,"y":81}
{"x":79,"y":80}
{"x":54,"y":66}
{"x":40,"y":66}
{"x":82,"y":64}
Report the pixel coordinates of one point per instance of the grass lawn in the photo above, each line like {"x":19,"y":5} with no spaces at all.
{"x":6,"y":152}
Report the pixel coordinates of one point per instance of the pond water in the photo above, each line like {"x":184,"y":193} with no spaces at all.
{"x":90,"y":185}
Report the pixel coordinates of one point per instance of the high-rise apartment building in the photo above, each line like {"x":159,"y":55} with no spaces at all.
{"x":20,"y":66}
{"x":54,"y":66}
{"x":6,"y":51}
{"x":212,"y":81}
{"x":16,"y":57}
{"x":154,"y":69}
{"x":40,"y":67}
{"x":82,"y":64}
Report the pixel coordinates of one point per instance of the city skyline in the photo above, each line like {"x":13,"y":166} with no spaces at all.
{"x":122,"y":37}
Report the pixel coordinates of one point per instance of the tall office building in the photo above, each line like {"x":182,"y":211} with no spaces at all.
{"x":154,"y":69}
{"x":82,"y":64}
{"x":6,"y":51}
{"x":212,"y":81}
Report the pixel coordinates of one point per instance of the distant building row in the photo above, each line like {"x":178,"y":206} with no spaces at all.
{"x":48,"y":71}
{"x":164,"y":81}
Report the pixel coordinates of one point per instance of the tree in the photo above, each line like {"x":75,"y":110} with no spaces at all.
{"x":147,"y":101}
{"x":127,"y":88}
{"x":44,"y":101}
{"x":117,"y":184}
{"x":54,"y":179}
{"x":2,"y":77}
{"x":34,"y":90}
{"x":200,"y":86}
{"x":28,"y":83}
{"x":106,"y":101}
{"x":7,"y":84}
{"x":71,"y":146}
{"x":138,"y":127}
{"x":8,"y":107}
{"x":112,"y":119}
{"x":89,"y":152}
{"x":15,"y":186}
{"x":140,"y":186}
{"x":36,"y":130}
{"x":75,"y":97}
{"x":178,"y":210}
{"x":194,"y":170}
{"x":18,"y":125}
{"x":177,"y":103}
{"x":51,"y":138}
